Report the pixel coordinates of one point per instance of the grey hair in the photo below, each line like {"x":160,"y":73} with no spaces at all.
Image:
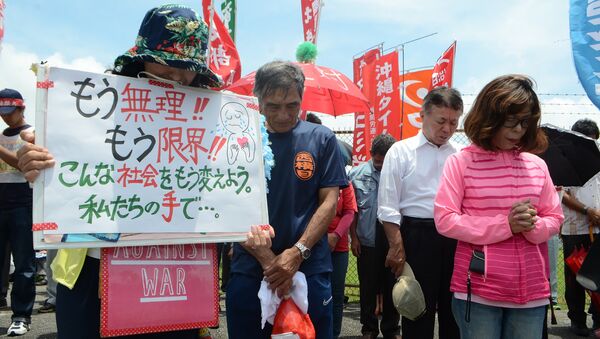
{"x":277,"y":76}
{"x":443,"y":97}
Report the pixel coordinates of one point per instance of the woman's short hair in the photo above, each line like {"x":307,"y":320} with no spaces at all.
{"x":503,"y":97}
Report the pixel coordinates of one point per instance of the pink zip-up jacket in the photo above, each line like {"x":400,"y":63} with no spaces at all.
{"x":476,"y":193}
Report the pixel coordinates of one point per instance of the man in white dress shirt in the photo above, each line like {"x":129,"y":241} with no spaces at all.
{"x":409,"y":181}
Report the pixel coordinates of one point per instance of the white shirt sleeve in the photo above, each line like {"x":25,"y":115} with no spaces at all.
{"x":390,"y":184}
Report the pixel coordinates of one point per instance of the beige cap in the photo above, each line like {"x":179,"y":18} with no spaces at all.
{"x":408,"y":296}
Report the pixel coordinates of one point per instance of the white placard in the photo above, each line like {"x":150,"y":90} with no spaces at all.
{"x":143,"y":156}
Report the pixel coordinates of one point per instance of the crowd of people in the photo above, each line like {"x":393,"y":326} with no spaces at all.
{"x":473,"y":223}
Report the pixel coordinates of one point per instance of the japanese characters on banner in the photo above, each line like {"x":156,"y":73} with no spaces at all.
{"x":584,"y":21}
{"x":147,"y":289}
{"x":383,"y":74}
{"x":359,"y":64}
{"x":362,"y":120}
{"x":229,"y":9}
{"x":442,"y":71}
{"x":311,"y":9}
{"x":415,"y":87}
{"x":2,"y":5}
{"x":223,"y":55}
{"x":144,"y":156}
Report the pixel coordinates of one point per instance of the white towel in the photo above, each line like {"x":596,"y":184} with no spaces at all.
{"x":269,"y":301}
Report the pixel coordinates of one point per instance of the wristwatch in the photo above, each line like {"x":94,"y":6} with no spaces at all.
{"x":304,"y":251}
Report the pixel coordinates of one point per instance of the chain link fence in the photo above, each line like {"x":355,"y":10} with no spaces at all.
{"x":459,"y":137}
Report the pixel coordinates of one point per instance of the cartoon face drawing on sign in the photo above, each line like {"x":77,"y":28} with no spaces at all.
{"x":235,"y":120}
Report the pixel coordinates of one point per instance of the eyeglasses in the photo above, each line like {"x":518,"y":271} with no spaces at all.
{"x":512,"y":122}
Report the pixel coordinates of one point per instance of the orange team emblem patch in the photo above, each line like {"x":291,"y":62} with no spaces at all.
{"x":304,"y":165}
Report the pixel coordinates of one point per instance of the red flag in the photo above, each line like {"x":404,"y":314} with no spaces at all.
{"x":362,"y":120}
{"x":1,"y":20}
{"x":223,"y":56}
{"x":361,"y":62}
{"x":384,"y":77}
{"x":442,"y":71}
{"x":310,"y":19}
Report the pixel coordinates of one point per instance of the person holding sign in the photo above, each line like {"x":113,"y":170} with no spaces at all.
{"x":171,"y":46}
{"x":302,"y":199}
{"x":15,"y":212}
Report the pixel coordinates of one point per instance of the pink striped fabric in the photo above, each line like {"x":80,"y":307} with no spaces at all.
{"x":476,"y":193}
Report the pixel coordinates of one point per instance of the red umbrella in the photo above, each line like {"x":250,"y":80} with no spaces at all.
{"x":325,"y":91}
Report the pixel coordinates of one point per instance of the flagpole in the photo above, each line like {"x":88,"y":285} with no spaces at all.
{"x":402,"y":44}
{"x":379,"y":45}
{"x":234,"y":20}
{"x":402,"y":89}
{"x":210,"y":29}
{"x":419,"y":68}
{"x":321,"y":4}
{"x":453,"y":63}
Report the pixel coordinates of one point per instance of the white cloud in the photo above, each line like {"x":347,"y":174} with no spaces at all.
{"x":406,"y":12}
{"x":15,"y":71}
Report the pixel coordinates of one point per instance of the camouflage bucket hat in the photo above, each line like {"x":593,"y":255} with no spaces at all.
{"x":172,"y":35}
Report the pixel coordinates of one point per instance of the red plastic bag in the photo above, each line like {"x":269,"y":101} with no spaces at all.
{"x":290,"y":320}
{"x":574,"y":261}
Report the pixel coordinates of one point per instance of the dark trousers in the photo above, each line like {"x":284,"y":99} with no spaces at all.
{"x":339,"y":261}
{"x":15,"y":229}
{"x":574,"y":292}
{"x":224,"y":260}
{"x":4,"y":270}
{"x":78,"y":310}
{"x":431,"y":257}
{"x":375,"y":278}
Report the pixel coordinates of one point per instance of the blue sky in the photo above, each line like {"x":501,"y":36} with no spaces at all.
{"x":494,"y":38}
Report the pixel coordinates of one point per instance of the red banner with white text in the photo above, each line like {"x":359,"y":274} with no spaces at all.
{"x":310,"y":19}
{"x":223,"y":55}
{"x":362,"y":120}
{"x":383,"y":75}
{"x":443,"y":69}
{"x":360,"y":62}
{"x":1,"y":21}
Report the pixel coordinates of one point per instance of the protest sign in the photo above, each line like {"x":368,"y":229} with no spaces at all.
{"x":158,"y":288}
{"x":146,"y":156}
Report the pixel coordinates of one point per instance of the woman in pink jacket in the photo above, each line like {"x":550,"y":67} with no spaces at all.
{"x":497,"y":199}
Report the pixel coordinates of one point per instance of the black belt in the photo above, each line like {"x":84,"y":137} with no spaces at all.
{"x":418,"y":222}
